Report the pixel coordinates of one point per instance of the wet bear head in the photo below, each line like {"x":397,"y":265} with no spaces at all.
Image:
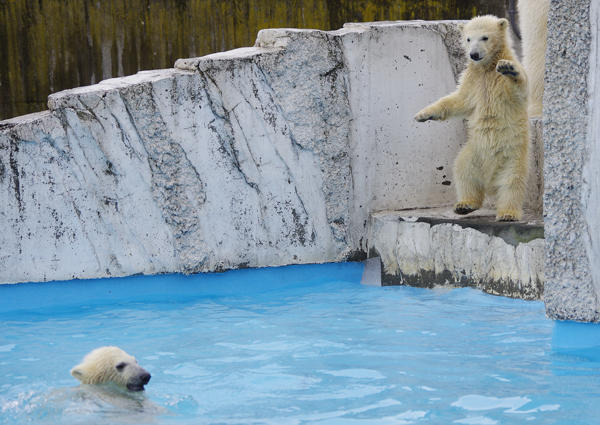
{"x":111,"y":364}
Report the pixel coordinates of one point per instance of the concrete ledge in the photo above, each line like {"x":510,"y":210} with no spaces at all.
{"x":427,"y":248}
{"x":484,"y":221}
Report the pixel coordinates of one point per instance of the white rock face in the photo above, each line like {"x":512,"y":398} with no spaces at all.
{"x":271,"y":155}
{"x":256,"y":157}
{"x":172,"y":171}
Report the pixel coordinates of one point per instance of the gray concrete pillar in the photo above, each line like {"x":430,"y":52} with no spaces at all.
{"x":572,"y":157}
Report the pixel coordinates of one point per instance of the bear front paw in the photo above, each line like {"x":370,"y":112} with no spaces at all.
{"x":505,"y":67}
{"x":426,"y":115}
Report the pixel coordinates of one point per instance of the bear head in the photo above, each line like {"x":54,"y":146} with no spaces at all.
{"x":483,"y":37}
{"x":111,"y":364}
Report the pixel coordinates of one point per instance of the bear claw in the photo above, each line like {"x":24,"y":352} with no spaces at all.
{"x":421,"y":117}
{"x":506,"y":68}
{"x":463,"y":209}
{"x":508,"y":217}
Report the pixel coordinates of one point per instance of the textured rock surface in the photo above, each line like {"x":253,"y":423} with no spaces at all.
{"x":572,"y":183}
{"x":534,"y":198}
{"x":184,"y":171}
{"x":240,"y":159}
{"x":421,"y":254}
{"x":264,"y":156}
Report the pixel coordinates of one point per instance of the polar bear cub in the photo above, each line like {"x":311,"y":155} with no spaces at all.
{"x":492,"y":96}
{"x":111,"y":364}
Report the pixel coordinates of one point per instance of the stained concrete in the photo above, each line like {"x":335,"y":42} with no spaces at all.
{"x":372,"y":273}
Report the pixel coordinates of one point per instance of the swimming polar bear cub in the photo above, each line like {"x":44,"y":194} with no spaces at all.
{"x":111,"y":364}
{"x":492,"y":95}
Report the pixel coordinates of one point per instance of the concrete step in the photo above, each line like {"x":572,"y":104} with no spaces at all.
{"x":432,"y":247}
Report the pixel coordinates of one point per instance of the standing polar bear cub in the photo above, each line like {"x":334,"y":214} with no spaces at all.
{"x":492,"y":95}
{"x":111,"y":364}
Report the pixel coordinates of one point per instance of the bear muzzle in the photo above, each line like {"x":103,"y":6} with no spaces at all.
{"x":137,"y":384}
{"x":476,"y":56}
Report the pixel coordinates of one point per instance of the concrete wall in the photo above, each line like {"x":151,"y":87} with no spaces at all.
{"x":394,"y":71}
{"x":272,"y":155}
{"x":256,"y":157}
{"x":279,"y":154}
{"x":572,"y":156}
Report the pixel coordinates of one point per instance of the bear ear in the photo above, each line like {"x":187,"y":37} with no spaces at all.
{"x":503,"y":23}
{"x":461,"y":27}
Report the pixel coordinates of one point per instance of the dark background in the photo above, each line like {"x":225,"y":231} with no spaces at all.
{"x":52,"y":45}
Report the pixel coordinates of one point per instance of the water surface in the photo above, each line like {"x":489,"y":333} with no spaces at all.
{"x":293,"y":345}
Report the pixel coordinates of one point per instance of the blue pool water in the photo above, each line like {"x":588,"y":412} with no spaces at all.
{"x":292,"y":345}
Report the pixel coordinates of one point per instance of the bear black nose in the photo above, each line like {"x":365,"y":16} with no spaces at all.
{"x":475,"y":56}
{"x":144,"y":378}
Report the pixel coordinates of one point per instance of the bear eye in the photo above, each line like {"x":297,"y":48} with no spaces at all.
{"x":468,"y":40}
{"x":121,"y":366}
{"x":484,"y":38}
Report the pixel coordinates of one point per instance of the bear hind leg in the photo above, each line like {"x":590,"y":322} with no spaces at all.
{"x":509,"y":211}
{"x":510,"y":197}
{"x":470,"y":197}
{"x":467,"y":207}
{"x":470,"y":191}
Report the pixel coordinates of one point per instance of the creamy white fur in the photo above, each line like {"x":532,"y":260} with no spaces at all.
{"x":533,"y":23}
{"x":492,"y":95}
{"x":111,"y":364}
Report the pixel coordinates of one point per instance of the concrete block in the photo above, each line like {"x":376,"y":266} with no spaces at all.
{"x":428,"y":248}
